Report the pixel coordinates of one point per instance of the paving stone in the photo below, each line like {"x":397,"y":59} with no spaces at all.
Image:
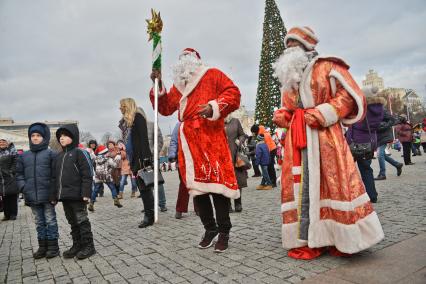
{"x":167,"y":252}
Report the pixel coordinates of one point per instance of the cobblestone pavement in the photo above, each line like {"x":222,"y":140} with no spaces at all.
{"x":167,"y":252}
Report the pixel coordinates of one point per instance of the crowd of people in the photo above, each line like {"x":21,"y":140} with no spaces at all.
{"x":326,"y":202}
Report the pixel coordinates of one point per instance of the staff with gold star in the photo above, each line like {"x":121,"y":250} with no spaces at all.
{"x":155,"y":26}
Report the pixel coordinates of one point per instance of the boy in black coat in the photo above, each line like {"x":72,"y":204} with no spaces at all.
{"x":74,"y":176}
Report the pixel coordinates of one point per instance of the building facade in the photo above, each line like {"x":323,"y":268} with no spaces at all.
{"x":372,"y":79}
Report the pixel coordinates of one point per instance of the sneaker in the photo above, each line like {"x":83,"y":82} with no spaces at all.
{"x":380,"y":178}
{"x":163,"y":209}
{"x":222,"y":243}
{"x":267,"y":187}
{"x":260,"y":187}
{"x":208,"y":239}
{"x":399,"y":169}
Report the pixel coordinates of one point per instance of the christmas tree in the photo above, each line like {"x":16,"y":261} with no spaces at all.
{"x":268,"y":91}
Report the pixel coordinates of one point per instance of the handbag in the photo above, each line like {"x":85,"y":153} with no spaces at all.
{"x":362,"y":151}
{"x":242,"y":161}
{"x":146,"y":174}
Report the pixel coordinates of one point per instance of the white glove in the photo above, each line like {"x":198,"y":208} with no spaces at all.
{"x":237,"y":142}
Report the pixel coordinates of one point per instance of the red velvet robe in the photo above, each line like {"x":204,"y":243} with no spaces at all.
{"x":205,"y":161}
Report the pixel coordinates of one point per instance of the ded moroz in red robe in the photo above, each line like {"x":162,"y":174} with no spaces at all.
{"x":204,"y":158}
{"x":340,"y":212}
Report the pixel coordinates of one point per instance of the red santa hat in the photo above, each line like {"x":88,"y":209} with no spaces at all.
{"x":101,"y":149}
{"x":191,"y":51}
{"x":304,"y":35}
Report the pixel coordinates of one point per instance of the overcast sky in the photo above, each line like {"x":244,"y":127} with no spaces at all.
{"x":75,"y":59}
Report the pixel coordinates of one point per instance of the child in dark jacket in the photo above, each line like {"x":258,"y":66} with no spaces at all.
{"x":36,"y":181}
{"x":263,"y":159}
{"x":74,"y":176}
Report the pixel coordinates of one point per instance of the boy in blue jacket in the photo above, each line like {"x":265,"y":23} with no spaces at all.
{"x":36,"y":181}
{"x":262,"y":160}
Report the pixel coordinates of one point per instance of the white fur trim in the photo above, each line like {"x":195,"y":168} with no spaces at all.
{"x":333,"y":204}
{"x":347,"y":238}
{"x":296,"y":170}
{"x":216,"y":111}
{"x":289,"y":236}
{"x":286,"y":206}
{"x":345,"y":205}
{"x":163,"y":91}
{"x":186,"y":90}
{"x":329,"y":114}
{"x":309,"y":33}
{"x":198,"y":188}
{"x":333,"y":86}
{"x":354,"y":95}
{"x":308,"y":45}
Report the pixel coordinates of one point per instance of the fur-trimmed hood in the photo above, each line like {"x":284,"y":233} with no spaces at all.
{"x":376,"y":100}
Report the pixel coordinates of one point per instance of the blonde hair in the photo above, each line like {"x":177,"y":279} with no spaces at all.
{"x":130,"y":109}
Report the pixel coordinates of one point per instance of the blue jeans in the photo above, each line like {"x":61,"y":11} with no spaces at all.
{"x":383,"y":158}
{"x":123,"y":181}
{"x":45,"y":220}
{"x":161,"y":196}
{"x":265,"y":176}
{"x":367,"y":178}
{"x":98,"y":186}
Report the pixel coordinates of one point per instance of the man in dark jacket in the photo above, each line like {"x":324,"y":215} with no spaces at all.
{"x":36,"y":181}
{"x":74,"y":176}
{"x":385,"y":136}
{"x":8,"y":189}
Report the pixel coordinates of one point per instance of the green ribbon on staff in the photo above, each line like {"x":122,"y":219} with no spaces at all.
{"x":155,"y":26}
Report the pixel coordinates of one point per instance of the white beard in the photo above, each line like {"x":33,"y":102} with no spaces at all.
{"x":289,"y":67}
{"x":185,"y":68}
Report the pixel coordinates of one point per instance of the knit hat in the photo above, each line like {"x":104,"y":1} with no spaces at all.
{"x":260,"y":137}
{"x":101,"y":150}
{"x":191,"y":51}
{"x":37,"y":128}
{"x":304,"y":35}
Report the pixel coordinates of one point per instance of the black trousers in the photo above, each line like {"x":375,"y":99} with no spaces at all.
{"x":271,"y":168}
{"x":76,"y":214}
{"x":406,"y":150}
{"x":222,"y":224}
{"x":147,"y":196}
{"x":10,"y":205}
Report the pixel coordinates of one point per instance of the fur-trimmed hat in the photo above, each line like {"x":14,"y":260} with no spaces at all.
{"x":304,"y":35}
{"x":101,"y":150}
{"x":191,"y":51}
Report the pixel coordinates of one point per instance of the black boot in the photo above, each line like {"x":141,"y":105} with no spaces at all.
{"x":148,"y":204}
{"x":42,"y":249}
{"x":87,"y":249}
{"x":52,"y":248}
{"x":72,"y":251}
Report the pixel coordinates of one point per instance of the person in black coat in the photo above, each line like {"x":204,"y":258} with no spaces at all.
{"x":35,"y":179}
{"x":385,"y":136}
{"x":74,"y":178}
{"x":135,"y":135}
{"x":8,"y":189}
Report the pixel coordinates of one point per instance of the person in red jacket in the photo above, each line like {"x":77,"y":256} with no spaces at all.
{"x":404,"y":133}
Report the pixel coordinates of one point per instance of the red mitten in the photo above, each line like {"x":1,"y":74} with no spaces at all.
{"x":282,"y":118}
